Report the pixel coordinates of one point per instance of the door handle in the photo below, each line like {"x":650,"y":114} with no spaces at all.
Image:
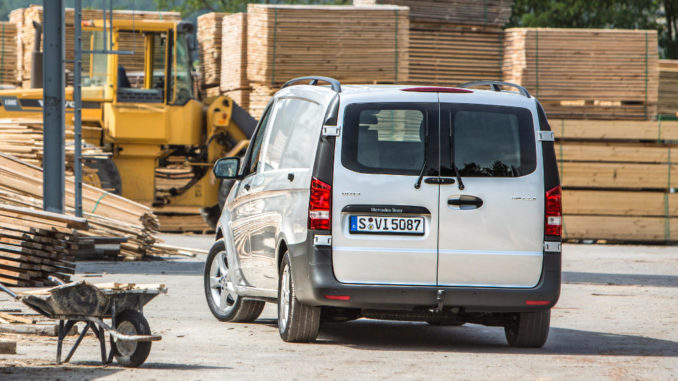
{"x":466,"y":202}
{"x":290,"y":177}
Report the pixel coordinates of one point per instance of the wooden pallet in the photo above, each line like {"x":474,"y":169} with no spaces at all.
{"x":351,"y":44}
{"x":209,"y":41}
{"x":667,"y":103}
{"x":487,"y":12}
{"x":586,"y":73}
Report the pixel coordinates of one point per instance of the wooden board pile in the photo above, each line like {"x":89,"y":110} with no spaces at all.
{"x":23,"y":18}
{"x":667,"y":103}
{"x":351,"y":44}
{"x":473,"y":12}
{"x":445,"y":54}
{"x":586,"y":73}
{"x":454,"y":41}
{"x":35,"y":244}
{"x":233,"y":81}
{"x":109,"y":215}
{"x":619,"y":179}
{"x":209,"y":41}
{"x":23,"y":139}
{"x":8,"y":56}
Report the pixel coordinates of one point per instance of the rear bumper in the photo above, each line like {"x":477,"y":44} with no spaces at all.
{"x":314,"y":280}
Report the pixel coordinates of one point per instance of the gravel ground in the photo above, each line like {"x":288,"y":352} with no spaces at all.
{"x":616,"y":319}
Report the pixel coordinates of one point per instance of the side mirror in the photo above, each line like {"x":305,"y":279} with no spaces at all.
{"x":226,"y":168}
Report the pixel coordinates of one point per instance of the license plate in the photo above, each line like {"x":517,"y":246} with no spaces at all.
{"x":386,"y":225}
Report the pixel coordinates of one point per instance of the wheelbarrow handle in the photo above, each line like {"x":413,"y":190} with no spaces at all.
{"x":7,"y":291}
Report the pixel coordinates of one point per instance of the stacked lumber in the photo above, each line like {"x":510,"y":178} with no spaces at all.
{"x":351,"y":44}
{"x":474,"y":12}
{"x":180,"y":219}
{"x":8,"y":56}
{"x":233,"y":81}
{"x":586,"y":73}
{"x":24,"y":17}
{"x":209,"y":40}
{"x":109,"y":215}
{"x":445,"y":54}
{"x":619,"y":179}
{"x":35,"y":244}
{"x":23,"y":139}
{"x":667,"y":104}
{"x":259,"y":98}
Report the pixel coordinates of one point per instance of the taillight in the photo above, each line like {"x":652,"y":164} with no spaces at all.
{"x":554,"y":212}
{"x":319,"y":205}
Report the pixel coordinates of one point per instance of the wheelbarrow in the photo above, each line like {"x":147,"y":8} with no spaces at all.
{"x":129,"y":332}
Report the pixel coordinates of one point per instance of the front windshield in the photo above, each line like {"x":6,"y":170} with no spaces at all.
{"x":181,"y":86}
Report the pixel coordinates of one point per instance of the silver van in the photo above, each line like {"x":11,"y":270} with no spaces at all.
{"x":431,"y":204}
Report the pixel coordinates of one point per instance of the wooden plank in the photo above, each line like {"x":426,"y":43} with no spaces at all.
{"x":71,"y":221}
{"x":618,"y":175}
{"x":615,"y":130}
{"x":620,"y":228}
{"x":616,"y":152}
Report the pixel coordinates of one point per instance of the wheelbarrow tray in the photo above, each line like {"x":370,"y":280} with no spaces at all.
{"x":85,"y":299}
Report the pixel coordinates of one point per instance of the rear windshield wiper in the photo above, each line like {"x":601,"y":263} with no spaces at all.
{"x":417,"y":185}
{"x":454,"y":165}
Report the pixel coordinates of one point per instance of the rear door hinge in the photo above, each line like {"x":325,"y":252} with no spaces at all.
{"x":331,"y":130}
{"x":546,"y":136}
{"x":322,"y":240}
{"x":553,"y":247}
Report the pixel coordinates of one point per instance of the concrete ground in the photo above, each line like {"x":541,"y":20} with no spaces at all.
{"x":616,"y":319}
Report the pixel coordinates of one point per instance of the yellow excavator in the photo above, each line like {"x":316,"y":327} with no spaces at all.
{"x":148,"y":115}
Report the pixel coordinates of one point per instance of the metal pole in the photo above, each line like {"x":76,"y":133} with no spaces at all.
{"x":53,"y":106}
{"x":77,"y":110}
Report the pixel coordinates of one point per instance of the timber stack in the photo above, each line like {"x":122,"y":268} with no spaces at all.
{"x":586,"y":73}
{"x":8,"y":63}
{"x":618,"y":179}
{"x":35,"y":244}
{"x":454,"y":41}
{"x":351,"y":44}
{"x":233,"y":81}
{"x":209,"y":47}
{"x":667,"y":103}
{"x":23,"y":19}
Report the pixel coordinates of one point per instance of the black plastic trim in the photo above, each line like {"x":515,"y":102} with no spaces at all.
{"x":314,"y":278}
{"x":386,"y":209}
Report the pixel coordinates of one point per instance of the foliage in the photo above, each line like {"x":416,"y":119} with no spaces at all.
{"x":628,"y":14}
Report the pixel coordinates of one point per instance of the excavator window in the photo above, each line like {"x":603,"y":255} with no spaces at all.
{"x":181,"y":85}
{"x":141,"y":75}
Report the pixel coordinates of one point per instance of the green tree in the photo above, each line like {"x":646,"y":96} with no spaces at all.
{"x":628,"y":14}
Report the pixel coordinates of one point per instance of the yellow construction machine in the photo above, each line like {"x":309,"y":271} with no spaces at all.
{"x":145,"y":111}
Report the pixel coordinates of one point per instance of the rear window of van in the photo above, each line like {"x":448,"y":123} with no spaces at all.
{"x":480,"y":140}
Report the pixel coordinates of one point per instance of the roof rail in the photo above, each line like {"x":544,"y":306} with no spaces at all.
{"x":336,"y":86}
{"x":496,"y":86}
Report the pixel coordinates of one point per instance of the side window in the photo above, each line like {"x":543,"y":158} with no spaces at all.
{"x":255,"y":145}
{"x":293,"y":135}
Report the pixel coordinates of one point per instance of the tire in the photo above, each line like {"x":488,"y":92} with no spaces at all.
{"x":131,"y":354}
{"x":297,"y":323}
{"x":529,"y":329}
{"x":107,"y":175}
{"x":226,"y":305}
{"x":224,"y":190}
{"x":211,"y":216}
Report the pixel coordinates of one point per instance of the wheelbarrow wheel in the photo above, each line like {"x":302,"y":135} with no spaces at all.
{"x":131,"y":354}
